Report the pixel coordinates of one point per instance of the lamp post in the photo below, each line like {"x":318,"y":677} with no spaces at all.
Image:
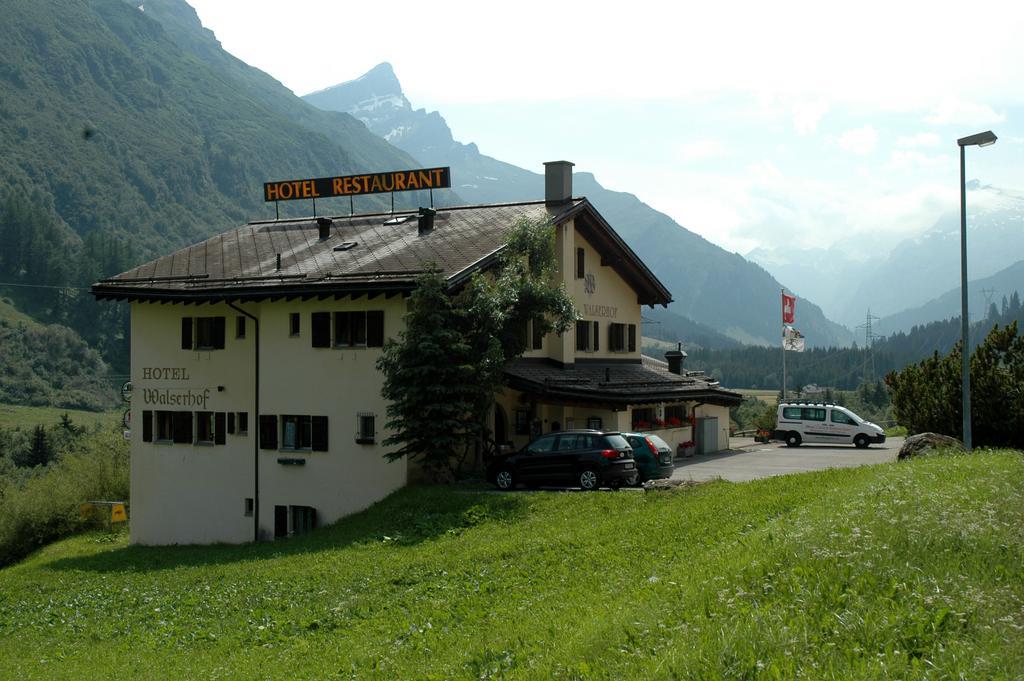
{"x":982,"y":139}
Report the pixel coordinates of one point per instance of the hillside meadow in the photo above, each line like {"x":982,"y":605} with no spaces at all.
{"x":911,"y":570}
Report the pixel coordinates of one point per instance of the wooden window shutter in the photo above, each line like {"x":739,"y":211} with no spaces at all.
{"x":580,"y":265}
{"x":147,"y":426}
{"x":186,"y":333}
{"x":321,"y":335}
{"x":582,"y":328}
{"x":375,"y":329}
{"x":218,"y":428}
{"x":231,"y":422}
{"x":268,"y":431}
{"x":182,"y":427}
{"x":597,"y":336}
{"x":319,"y":443}
{"x":632,"y":337}
{"x":218,"y":332}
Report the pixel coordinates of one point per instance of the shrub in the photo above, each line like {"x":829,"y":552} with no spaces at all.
{"x":43,"y":506}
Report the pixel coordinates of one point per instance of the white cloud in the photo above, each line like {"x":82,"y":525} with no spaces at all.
{"x":701,"y":150}
{"x":807,"y":114}
{"x":960,"y":112}
{"x":921,"y":139}
{"x":904,"y":160}
{"x":860,"y":141}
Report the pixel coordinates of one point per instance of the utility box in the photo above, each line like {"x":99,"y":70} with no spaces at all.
{"x":706,"y":435}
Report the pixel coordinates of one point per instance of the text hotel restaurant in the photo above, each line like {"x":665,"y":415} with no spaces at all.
{"x":257,"y":408}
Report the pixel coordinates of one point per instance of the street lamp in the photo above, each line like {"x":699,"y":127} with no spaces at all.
{"x":982,"y":139}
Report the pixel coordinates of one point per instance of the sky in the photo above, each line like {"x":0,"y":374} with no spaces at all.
{"x":782,"y":126}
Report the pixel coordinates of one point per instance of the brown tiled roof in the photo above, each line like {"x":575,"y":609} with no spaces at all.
{"x":614,"y":383}
{"x":388,"y":255}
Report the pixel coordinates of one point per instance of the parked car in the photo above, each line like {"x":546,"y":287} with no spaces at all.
{"x":802,"y":422}
{"x":584,"y":458}
{"x":652,"y":454}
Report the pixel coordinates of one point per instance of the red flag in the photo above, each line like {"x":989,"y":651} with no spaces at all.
{"x":788,"y":308}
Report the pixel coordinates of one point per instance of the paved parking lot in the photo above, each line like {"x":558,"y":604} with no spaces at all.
{"x":748,"y":460}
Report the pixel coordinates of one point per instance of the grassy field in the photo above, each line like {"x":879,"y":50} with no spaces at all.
{"x":766,"y":396}
{"x":912,"y":570}
{"x":18,"y":416}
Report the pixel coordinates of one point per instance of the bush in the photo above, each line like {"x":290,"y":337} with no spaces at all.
{"x":41,"y":506}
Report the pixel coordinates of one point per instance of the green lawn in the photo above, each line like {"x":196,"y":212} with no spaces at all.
{"x":911,"y":570}
{"x":18,"y":416}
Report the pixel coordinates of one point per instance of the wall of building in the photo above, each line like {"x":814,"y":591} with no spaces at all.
{"x":184,"y":493}
{"x":192,"y":493}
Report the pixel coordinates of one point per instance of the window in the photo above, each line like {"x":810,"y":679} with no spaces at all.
{"x":595,"y":423}
{"x":210,"y":427}
{"x":165,"y":426}
{"x":243,"y":423}
{"x":231,"y":423}
{"x":543,"y":445}
{"x":293,"y":324}
{"x":181,"y":427}
{"x":840,"y":417}
{"x":617,"y":337}
{"x":239,"y":326}
{"x":580,"y":264}
{"x":675,"y":415}
{"x":359,"y":329}
{"x":202,"y":333}
{"x":204,"y":427}
{"x":249,"y":506}
{"x":296,"y":432}
{"x":813,"y":414}
{"x":366,"y":428}
{"x":643,"y":418}
{"x":587,"y":336}
{"x":320,"y":329}
{"x":522,"y":418}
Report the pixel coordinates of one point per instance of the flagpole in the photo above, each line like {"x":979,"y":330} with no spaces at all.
{"x":783,"y":356}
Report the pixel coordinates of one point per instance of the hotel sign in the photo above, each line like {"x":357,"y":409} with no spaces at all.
{"x":353,"y":185}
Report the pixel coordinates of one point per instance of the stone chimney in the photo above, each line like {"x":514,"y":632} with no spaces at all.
{"x":675,"y":359}
{"x":557,"y":182}
{"x":324,"y":224}
{"x":425,"y":220}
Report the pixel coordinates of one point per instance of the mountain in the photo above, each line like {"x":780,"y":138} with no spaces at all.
{"x":128,"y":117}
{"x":694,"y":269}
{"x":917,"y":269}
{"x":981,"y":292}
{"x":126,"y":131}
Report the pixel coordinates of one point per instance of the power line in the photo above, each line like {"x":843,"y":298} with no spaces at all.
{"x":62,"y":288}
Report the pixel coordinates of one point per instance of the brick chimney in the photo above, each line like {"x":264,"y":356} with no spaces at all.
{"x":557,"y":182}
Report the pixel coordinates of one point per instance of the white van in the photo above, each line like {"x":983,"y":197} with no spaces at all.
{"x":798,"y":422}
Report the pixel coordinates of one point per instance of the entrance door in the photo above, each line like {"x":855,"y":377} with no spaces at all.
{"x":280,"y":521}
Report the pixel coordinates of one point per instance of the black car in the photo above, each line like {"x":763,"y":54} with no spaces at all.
{"x":584,"y":458}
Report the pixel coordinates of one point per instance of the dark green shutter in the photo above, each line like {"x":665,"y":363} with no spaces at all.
{"x":218,"y":332}
{"x":321,"y":335}
{"x":218,"y":428}
{"x":147,"y":426}
{"x":268,"y":431}
{"x":183,"y":427}
{"x":231,"y":422}
{"x":632,"y":337}
{"x":186,"y":333}
{"x":375,"y":328}
{"x":319,"y":443}
{"x":597,"y":336}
